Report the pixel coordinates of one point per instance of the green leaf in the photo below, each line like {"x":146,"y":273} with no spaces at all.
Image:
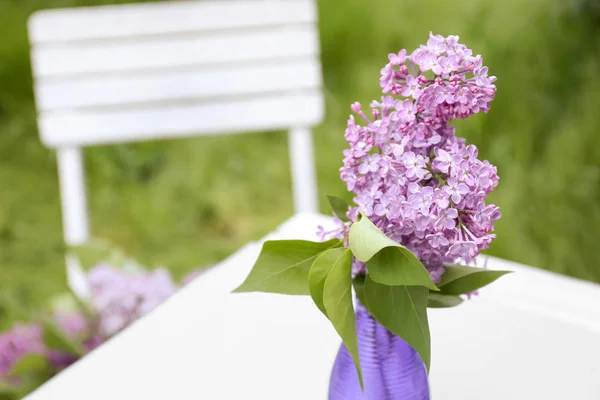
{"x":366,"y":240}
{"x":8,"y":392}
{"x":388,"y":262}
{"x":55,"y":339}
{"x":399,"y":267}
{"x":403,"y":311}
{"x":283,"y":266}
{"x":31,"y":363}
{"x":337,"y":297}
{"x":30,"y":372}
{"x":437,"y":300}
{"x":321,"y":268}
{"x":461,"y":279}
{"x":339,"y":207}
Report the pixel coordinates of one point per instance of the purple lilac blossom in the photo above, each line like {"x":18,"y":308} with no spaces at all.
{"x":417,"y":181}
{"x":73,"y":324}
{"x":21,"y":340}
{"x":120,"y":298}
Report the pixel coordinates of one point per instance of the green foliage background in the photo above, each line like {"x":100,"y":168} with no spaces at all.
{"x":189,"y":203}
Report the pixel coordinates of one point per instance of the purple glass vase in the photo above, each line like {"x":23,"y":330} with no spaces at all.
{"x":391,"y":368}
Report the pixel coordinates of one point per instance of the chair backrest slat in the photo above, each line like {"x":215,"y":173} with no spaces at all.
{"x":167,"y":52}
{"x":157,"y":19}
{"x":172,"y":86}
{"x":173,"y":121}
{"x":164,"y":70}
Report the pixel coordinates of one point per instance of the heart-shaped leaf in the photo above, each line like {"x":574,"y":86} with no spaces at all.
{"x":397,"y":266}
{"x":337,"y":298}
{"x":283,"y":265}
{"x":365,"y":239}
{"x":339,"y":207}
{"x":461,"y":279}
{"x":403,"y":311}
{"x":437,"y":300}
{"x":388,"y":262}
{"x":320,"y":270}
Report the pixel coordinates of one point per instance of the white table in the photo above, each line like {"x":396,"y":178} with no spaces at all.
{"x":531,"y":335}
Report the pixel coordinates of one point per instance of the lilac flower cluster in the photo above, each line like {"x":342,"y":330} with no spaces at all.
{"x":26,"y":339}
{"x":21,"y":340}
{"x":117,"y":299}
{"x":412,"y":176}
{"x":120,"y":298}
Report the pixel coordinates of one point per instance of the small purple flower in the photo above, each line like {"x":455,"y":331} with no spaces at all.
{"x":456,"y":189}
{"x":387,"y":207}
{"x":424,"y":58}
{"x":447,"y":219}
{"x":440,"y":197}
{"x":444,"y":94}
{"x":361,"y":149}
{"x":407,"y":111}
{"x":436,"y":274}
{"x":481,"y":76}
{"x":371,"y":164}
{"x":422,"y":200}
{"x":422,"y":223}
{"x":466,"y":250}
{"x":443,"y":161}
{"x":483,"y":176}
{"x":462,"y":96}
{"x":412,"y":88}
{"x":437,"y":240}
{"x":443,"y":67}
{"x":415,"y":165}
{"x":436,"y":43}
{"x":466,"y":176}
{"x":397,"y":59}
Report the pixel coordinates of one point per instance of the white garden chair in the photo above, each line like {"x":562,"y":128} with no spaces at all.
{"x":129,"y":73}
{"x":531,"y":335}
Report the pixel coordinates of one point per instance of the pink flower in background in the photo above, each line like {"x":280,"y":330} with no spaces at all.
{"x":116,"y":299}
{"x":73,"y":324}
{"x":21,"y":340}
{"x":120,"y":298}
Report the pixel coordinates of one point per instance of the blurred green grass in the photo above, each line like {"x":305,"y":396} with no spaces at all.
{"x":188,"y":203}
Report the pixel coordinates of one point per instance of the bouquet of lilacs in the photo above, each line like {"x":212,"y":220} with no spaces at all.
{"x":419,"y":213}
{"x":105,"y":300}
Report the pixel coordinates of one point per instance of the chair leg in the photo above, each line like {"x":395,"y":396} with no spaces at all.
{"x":73,"y":195}
{"x":304,"y":183}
